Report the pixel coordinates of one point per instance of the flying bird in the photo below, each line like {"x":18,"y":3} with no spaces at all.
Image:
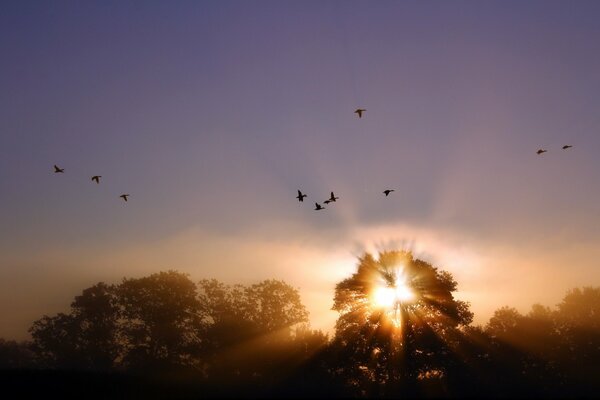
{"x":96,"y":178}
{"x":57,"y":170}
{"x":319,"y":207}
{"x":300,"y":196}
{"x":124,"y":196}
{"x":388,"y":191}
{"x":332,"y":198}
{"x":360,"y":112}
{"x":567,"y":146}
{"x":540,"y":151}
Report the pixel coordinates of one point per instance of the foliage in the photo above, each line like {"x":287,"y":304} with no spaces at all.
{"x":254,"y":340}
{"x":383,"y":349}
{"x":161,"y":322}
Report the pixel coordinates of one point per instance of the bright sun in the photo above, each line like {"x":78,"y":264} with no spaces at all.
{"x":387,"y":296}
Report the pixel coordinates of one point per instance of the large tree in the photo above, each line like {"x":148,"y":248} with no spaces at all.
{"x":397,"y":319}
{"x":162,"y":321}
{"x":85,"y":338}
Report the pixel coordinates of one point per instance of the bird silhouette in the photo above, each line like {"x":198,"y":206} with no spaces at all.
{"x":540,"y":151}
{"x":332,"y":198}
{"x":388,"y":191}
{"x":567,"y":146}
{"x":300,"y":196}
{"x":124,"y":196}
{"x":319,"y":207}
{"x":96,"y":178}
{"x":58,"y":170}
{"x":360,"y":112}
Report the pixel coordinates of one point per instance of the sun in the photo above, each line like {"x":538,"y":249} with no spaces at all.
{"x":387,"y":296}
{"x":384,"y":296}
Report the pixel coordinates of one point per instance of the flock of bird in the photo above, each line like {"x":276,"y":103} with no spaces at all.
{"x":95,"y":178}
{"x":333,"y":198}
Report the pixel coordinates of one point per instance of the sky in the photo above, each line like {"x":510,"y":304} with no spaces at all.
{"x":212,"y":114}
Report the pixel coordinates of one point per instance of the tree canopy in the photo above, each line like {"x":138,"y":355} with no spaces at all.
{"x":396,"y":341}
{"x":401,"y":332}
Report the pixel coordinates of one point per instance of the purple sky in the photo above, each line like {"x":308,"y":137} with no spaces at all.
{"x":211,"y":114}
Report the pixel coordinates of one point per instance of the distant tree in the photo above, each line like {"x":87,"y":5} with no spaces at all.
{"x":274,"y":306}
{"x":16,"y":355}
{"x":162,"y":321}
{"x":398,"y":317}
{"x":249,"y":334}
{"x":86,"y":338}
{"x":581,"y":308}
{"x":578,"y":324}
{"x":306,"y":342}
{"x":305,"y":371}
{"x":504,"y":321}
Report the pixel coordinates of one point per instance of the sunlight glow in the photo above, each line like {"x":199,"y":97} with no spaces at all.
{"x":403,"y":292}
{"x":387,"y":296}
{"x":384,"y":296}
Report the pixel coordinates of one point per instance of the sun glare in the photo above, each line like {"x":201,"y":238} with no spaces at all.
{"x":403,"y":292}
{"x":387,"y":296}
{"x":384,"y":296}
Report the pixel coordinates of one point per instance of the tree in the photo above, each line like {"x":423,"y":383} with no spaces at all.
{"x":578,"y":324}
{"x":97,"y":316}
{"x":86,"y":338}
{"x":397,"y":319}
{"x":249,"y":329}
{"x":16,"y":355}
{"x":162,"y":321}
{"x":503,"y":323}
{"x":274,"y":306}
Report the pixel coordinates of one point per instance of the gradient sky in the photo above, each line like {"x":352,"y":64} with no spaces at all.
{"x":211,"y":114}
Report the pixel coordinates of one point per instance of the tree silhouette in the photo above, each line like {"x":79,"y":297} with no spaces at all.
{"x":86,"y":338}
{"x":162,"y":321}
{"x":16,"y":355}
{"x":400,"y":332}
{"x":250,"y":330}
{"x":386,"y":348}
{"x":548,"y":353}
{"x":577,"y":320}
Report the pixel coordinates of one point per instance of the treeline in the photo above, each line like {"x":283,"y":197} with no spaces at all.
{"x":213,"y":339}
